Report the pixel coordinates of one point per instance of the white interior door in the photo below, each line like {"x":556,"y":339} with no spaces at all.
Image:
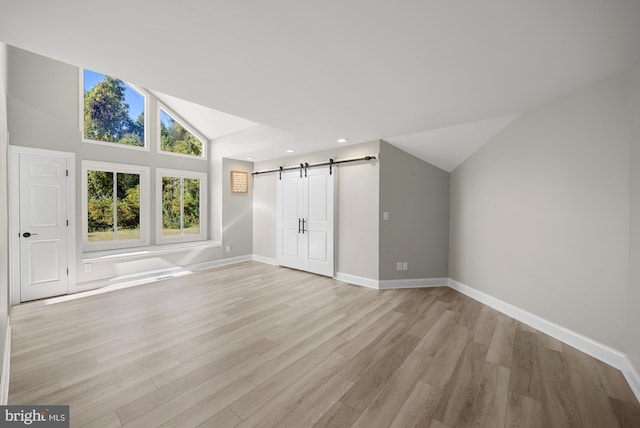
{"x":318,"y":197}
{"x":290,"y":212}
{"x":305,"y":235}
{"x":43,"y":235}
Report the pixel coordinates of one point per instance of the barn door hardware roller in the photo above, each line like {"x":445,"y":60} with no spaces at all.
{"x":305,"y":166}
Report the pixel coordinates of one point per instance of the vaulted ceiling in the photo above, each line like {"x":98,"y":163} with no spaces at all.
{"x":406,"y":71}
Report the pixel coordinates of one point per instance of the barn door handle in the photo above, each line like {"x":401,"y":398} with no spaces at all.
{"x":27,"y":234}
{"x":303,"y":226}
{"x":299,"y":220}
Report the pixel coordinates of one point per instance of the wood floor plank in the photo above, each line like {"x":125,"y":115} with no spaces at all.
{"x":337,"y":416}
{"x":524,"y":412}
{"x":277,"y":381}
{"x":98,"y":406}
{"x":438,"y":334}
{"x":197,"y":384}
{"x":628,"y":413}
{"x":591,"y":398}
{"x":369,"y":374}
{"x":484,"y":326}
{"x":285,"y":402}
{"x":418,"y":409}
{"x":501,"y":345}
{"x":193,"y":407}
{"x":444,"y":363}
{"x":225,"y":418}
{"x":490,"y":405}
{"x":317,"y":404}
{"x":110,"y":420}
{"x":525,"y":365}
{"x":383,"y":409}
{"x":455,"y":407}
{"x":559,"y":404}
{"x":431,"y":316}
{"x":613,"y":382}
{"x":256,"y":345}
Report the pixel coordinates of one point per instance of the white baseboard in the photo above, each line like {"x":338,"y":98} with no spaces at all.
{"x":357,"y":280}
{"x":219,"y":262}
{"x":6,"y":367}
{"x":598,"y":350}
{"x":265,"y":260}
{"x":633,"y":377}
{"x":385,"y":284}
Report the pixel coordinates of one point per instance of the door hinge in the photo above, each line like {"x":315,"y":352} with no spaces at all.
{"x":67,"y":223}
{"x":67,"y":173}
{"x":67,"y":271}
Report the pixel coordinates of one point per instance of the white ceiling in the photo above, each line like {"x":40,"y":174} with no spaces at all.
{"x":357,"y":69}
{"x":209,"y":122}
{"x":448,"y":147}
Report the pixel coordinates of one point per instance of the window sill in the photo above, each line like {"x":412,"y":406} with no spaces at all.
{"x":126,"y":253}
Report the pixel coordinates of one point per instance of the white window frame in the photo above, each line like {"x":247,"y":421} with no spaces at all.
{"x":115,"y":168}
{"x":202,"y":176}
{"x":147,"y":108}
{"x":185,"y":125}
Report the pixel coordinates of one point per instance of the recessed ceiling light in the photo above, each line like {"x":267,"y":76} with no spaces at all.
{"x":289,"y":151}
{"x":342,"y":140}
{"x":249,"y":158}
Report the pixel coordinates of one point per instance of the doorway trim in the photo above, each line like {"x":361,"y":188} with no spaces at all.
{"x":14,"y":216}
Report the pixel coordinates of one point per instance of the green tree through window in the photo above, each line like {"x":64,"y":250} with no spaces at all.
{"x":109,"y":106}
{"x":180,"y":206}
{"x":175,"y":138}
{"x":105,"y":223}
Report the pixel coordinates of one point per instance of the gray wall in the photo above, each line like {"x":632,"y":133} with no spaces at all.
{"x":633,"y":336}
{"x":43,"y":112}
{"x":237,"y":211}
{"x":416,"y":196}
{"x":4,"y":239}
{"x":264,"y":216}
{"x":540,"y":214}
{"x":357,"y":210}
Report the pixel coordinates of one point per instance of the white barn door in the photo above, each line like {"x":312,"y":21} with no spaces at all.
{"x":305,"y":213}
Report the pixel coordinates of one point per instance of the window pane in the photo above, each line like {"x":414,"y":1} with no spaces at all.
{"x":175,"y":138}
{"x":171,"y":205}
{"x":113,"y":110}
{"x":128,"y":207}
{"x":100,"y":206}
{"x":191,"y":206}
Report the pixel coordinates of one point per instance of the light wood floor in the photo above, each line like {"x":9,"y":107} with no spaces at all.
{"x":256,"y":345}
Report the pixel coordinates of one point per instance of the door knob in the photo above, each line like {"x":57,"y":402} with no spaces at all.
{"x":27,"y":234}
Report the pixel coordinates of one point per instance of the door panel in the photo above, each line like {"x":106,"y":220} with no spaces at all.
{"x":317,"y":196}
{"x":43,"y":261}
{"x":318,"y":246}
{"x":290,"y":243}
{"x":43,"y":226}
{"x":47,"y":196}
{"x":305,"y":220}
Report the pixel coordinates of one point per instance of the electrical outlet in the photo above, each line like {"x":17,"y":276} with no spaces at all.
{"x":228,"y":248}
{"x":385,"y":215}
{"x":399,"y":266}
{"x":88,"y":267}
{"x":405,"y":266}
